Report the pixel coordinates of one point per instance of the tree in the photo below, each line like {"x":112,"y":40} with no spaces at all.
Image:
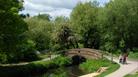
{"x":65,"y":36}
{"x":12,"y":32}
{"x":40,"y":31}
{"x":84,"y":23}
{"x":25,"y":15}
{"x":66,"y":39}
{"x":122,"y":21}
{"x":44,"y":17}
{"x":118,"y":26}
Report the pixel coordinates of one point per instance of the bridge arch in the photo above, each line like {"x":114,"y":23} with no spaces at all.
{"x":77,"y":59}
{"x":84,"y":53}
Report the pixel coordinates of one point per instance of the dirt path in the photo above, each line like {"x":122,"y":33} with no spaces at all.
{"x":25,"y":63}
{"x":124,"y":69}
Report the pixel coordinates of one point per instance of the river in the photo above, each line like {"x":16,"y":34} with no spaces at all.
{"x":72,"y":71}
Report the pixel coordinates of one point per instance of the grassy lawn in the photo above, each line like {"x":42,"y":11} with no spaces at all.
{"x":133,"y":55}
{"x":112,"y":68}
{"x":132,"y":75}
{"x":93,"y":65}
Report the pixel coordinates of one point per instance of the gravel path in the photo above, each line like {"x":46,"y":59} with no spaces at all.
{"x":25,"y":63}
{"x":124,"y":69}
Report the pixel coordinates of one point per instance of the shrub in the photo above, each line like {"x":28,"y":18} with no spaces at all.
{"x":61,"y":61}
{"x":94,"y":65}
{"x":57,"y":62}
{"x":33,"y":67}
{"x":3,"y":58}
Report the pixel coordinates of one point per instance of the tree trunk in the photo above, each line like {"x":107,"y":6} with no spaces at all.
{"x":112,"y":57}
{"x":77,"y":46}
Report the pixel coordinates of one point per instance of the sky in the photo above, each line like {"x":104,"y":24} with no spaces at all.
{"x":52,"y":7}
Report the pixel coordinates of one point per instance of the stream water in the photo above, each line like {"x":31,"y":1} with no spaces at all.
{"x":72,"y":71}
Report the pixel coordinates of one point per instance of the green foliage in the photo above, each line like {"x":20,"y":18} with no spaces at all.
{"x":27,"y":51}
{"x":132,"y":75}
{"x":14,"y":44}
{"x":43,"y":16}
{"x":57,"y":62}
{"x":34,"y":67}
{"x":94,"y":65}
{"x":66,"y":37}
{"x":61,"y":61}
{"x":119,"y":24}
{"x":112,"y":67}
{"x":133,"y":55}
{"x":11,"y":32}
{"x":40,"y":32}
{"x":10,"y":6}
{"x":84,"y":24}
{"x":110,"y":28}
{"x":3,"y":58}
{"x":63,"y":34}
{"x":56,"y":47}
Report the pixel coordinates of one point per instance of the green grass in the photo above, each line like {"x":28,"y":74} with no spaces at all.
{"x":33,"y":67}
{"x":93,"y":65}
{"x":133,"y":55}
{"x":112,"y":67}
{"x":43,"y":56}
{"x":132,"y":75}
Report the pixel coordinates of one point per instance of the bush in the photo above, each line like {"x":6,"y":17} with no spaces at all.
{"x":61,"y":61}
{"x":27,"y":52}
{"x":57,"y":62}
{"x":94,"y":65}
{"x":56,"y":47}
{"x":3,"y":58}
{"x":133,"y":55}
{"x":33,"y":67}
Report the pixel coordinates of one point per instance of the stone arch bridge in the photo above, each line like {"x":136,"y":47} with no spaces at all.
{"x":84,"y":52}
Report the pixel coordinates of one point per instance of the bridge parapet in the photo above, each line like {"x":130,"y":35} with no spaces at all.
{"x":84,"y":52}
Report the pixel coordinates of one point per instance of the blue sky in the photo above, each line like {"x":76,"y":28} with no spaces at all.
{"x":52,"y":7}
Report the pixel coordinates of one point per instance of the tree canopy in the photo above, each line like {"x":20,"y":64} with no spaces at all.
{"x":111,"y":28}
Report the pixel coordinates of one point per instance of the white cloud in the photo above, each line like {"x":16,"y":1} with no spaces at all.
{"x":69,"y":4}
{"x":52,"y":7}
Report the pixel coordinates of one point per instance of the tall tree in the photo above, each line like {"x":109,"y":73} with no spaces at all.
{"x":12,"y":28}
{"x":65,"y":37}
{"x":40,"y":31}
{"x":120,"y":26}
{"x":44,"y":17}
{"x":83,"y":18}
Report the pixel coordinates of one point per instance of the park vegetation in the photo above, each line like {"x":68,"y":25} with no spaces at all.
{"x":111,"y":28}
{"x":34,"y":68}
{"x":132,"y":75}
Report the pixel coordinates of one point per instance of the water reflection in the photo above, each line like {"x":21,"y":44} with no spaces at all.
{"x":72,"y":71}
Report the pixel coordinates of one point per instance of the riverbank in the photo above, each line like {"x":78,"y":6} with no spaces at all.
{"x":33,"y":67}
{"x":94,"y":65}
{"x":56,"y":66}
